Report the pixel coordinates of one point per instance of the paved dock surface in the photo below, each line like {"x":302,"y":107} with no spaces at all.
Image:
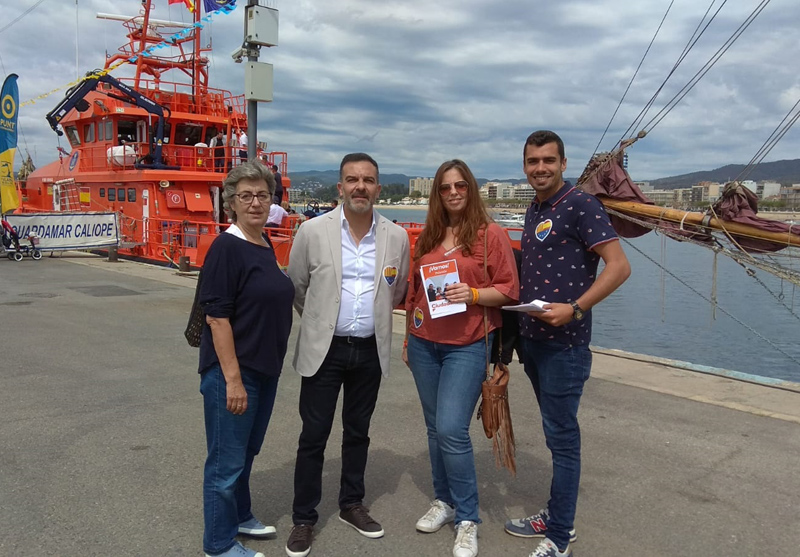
{"x":102,"y":443}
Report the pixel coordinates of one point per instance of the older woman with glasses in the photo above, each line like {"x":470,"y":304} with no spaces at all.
{"x":447,"y":354}
{"x":247,"y":301}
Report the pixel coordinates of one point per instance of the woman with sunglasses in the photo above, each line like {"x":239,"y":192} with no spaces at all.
{"x":247,"y":301}
{"x":447,"y":354}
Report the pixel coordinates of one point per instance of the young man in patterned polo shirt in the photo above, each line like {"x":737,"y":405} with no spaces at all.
{"x":566,"y":234}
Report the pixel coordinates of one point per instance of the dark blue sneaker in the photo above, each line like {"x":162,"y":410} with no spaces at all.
{"x":534,"y":526}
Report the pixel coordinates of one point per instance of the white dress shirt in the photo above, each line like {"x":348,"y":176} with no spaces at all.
{"x":276,"y":214}
{"x":356,"y":317}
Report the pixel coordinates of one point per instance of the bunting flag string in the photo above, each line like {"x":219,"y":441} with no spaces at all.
{"x":223,"y":9}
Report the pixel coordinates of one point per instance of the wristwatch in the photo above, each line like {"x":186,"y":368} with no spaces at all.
{"x":577,"y":312}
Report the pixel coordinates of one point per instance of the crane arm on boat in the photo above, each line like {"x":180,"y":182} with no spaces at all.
{"x":76,"y":99}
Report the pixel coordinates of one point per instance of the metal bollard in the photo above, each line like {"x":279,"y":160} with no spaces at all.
{"x":183,"y":264}
{"x":113,"y":255}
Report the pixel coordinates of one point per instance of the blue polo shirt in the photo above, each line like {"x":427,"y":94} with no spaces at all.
{"x":558,"y":259}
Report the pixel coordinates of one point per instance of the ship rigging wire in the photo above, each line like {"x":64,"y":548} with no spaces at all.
{"x":690,"y":44}
{"x":777,"y":134}
{"x":713,"y":302}
{"x":706,"y":67}
{"x":20,"y":16}
{"x":628,"y":88}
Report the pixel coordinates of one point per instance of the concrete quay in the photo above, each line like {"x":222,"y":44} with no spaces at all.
{"x":102,"y":443}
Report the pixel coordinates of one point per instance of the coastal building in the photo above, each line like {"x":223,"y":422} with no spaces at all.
{"x":751,"y":185}
{"x":422,"y":185}
{"x":791,"y":195}
{"x":507,"y":190}
{"x":768,"y":189}
{"x":714,"y":191}
{"x":663,"y":198}
{"x":296,"y":195}
{"x":644,"y":186}
{"x":524,"y":192}
{"x":699,"y":194}
{"x":683,"y":197}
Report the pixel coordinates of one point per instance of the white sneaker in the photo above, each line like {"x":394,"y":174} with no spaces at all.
{"x":437,"y":516}
{"x":466,"y":539}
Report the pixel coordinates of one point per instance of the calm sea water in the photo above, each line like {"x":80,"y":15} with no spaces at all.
{"x":676,"y":323}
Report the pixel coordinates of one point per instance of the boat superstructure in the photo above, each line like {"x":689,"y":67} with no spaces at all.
{"x":147,"y":147}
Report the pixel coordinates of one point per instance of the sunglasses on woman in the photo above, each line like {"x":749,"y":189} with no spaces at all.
{"x":461,"y":187}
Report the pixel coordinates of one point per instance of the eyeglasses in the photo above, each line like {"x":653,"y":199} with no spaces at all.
{"x":247,"y":197}
{"x":461,"y":186}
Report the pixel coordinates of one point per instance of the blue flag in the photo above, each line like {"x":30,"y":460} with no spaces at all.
{"x":9,"y":109}
{"x":214,"y":5}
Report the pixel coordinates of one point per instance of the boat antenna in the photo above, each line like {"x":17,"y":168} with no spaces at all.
{"x":77,"y":34}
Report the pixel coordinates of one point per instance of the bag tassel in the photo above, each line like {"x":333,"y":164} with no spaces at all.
{"x":496,"y":416}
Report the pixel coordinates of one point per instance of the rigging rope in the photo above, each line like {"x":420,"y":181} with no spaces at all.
{"x":686,"y":49}
{"x":706,"y":298}
{"x":20,"y":16}
{"x":633,"y":77}
{"x":777,"y":134}
{"x":745,"y":260}
{"x":706,"y":67}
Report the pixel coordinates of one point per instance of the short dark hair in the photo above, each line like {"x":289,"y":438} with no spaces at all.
{"x":358,"y":157}
{"x":274,"y":167}
{"x":543,"y":137}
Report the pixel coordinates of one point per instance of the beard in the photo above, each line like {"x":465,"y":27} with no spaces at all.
{"x":359,"y":205}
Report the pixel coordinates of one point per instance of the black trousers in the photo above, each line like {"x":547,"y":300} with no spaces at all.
{"x":352,"y":363}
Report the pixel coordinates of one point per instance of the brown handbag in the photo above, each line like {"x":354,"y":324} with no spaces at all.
{"x":494,"y":411}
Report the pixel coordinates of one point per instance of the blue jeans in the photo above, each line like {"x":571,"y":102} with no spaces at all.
{"x":448,"y":379}
{"x":558,"y":372}
{"x":233,"y":442}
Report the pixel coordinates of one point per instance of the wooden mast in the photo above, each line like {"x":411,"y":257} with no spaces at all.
{"x":634,"y":209}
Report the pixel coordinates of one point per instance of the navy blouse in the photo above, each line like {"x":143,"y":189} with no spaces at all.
{"x":243,"y":282}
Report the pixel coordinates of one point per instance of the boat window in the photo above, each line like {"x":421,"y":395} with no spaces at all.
{"x":109,"y":130}
{"x":126,"y":132}
{"x":167,"y":131}
{"x":72,"y":135}
{"x":121,"y":194}
{"x":101,"y":132}
{"x":88,"y":133}
{"x":102,"y":192}
{"x":188,"y":134}
{"x":131,"y":195}
{"x":112,"y":194}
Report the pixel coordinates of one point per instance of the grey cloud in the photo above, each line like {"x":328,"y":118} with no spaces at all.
{"x":418,"y":82}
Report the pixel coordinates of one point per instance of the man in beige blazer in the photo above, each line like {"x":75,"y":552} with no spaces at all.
{"x":350,"y":269}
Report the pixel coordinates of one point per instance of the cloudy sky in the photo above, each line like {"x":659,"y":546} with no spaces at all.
{"x":417,"y":82}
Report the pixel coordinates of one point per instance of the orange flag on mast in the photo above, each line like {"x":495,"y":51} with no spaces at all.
{"x":189,"y":3}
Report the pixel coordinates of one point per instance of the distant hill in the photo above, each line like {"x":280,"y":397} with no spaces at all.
{"x":785,"y":172}
{"x":326,"y":178}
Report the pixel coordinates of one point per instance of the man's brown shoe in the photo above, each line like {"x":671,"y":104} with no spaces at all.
{"x":299,"y":543}
{"x":358,"y":517}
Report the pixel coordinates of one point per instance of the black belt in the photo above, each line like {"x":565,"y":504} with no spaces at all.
{"x":355,"y":340}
